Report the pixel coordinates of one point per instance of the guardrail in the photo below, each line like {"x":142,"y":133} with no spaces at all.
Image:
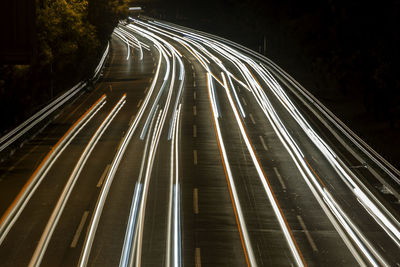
{"x":12,"y":136}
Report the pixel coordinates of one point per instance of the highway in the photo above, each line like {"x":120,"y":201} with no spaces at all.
{"x":192,"y":150}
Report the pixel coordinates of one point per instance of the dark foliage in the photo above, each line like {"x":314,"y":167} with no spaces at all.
{"x":70,"y":38}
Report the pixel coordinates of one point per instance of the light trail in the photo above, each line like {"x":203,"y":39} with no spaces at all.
{"x":103,"y":195}
{"x":130,"y":241}
{"x":121,"y":36}
{"x":24,"y":127}
{"x":249,"y":254}
{"x":264,"y":180}
{"x":291,"y":242}
{"x":168,"y":78}
{"x":102,"y":60}
{"x":62,"y":201}
{"x":247,"y":246}
{"x":174,"y":198}
{"x":17,"y":206}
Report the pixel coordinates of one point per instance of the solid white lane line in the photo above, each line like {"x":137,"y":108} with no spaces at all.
{"x":140,"y":102}
{"x":109,"y":179}
{"x":263,"y":143}
{"x":105,"y":172}
{"x":247,"y":247}
{"x":195,"y":157}
{"x":252,"y":118}
{"x":79,"y":229}
{"x":196,"y":201}
{"x":280,"y":178}
{"x":197,"y":257}
{"x":129,"y":233}
{"x":171,"y":202}
{"x":194,"y":110}
{"x":307,"y":233}
{"x":244,"y":101}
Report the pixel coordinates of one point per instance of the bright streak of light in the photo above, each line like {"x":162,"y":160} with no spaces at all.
{"x":15,"y":209}
{"x":61,"y":203}
{"x":133,"y":41}
{"x":103,"y":58}
{"x":272,"y":199}
{"x":392,"y":231}
{"x":153,"y":147}
{"x":99,"y":207}
{"x":241,"y":223}
{"x":126,"y":250}
{"x":19,"y":131}
{"x":121,"y":36}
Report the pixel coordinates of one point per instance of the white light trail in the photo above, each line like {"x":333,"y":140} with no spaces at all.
{"x":24,"y":127}
{"x":241,"y":222}
{"x":99,"y":207}
{"x":62,"y":201}
{"x":272,"y":199}
{"x":15,"y":209}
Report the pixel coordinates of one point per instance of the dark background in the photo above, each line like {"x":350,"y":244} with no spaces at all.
{"x":345,"y":52}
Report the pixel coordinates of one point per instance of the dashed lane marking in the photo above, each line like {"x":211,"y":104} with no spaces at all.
{"x":79,"y":230}
{"x":307,"y":233}
{"x":105,"y":172}
{"x":252,"y":118}
{"x":263,"y":143}
{"x":280,"y":178}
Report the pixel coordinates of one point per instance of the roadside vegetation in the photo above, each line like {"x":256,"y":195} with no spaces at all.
{"x":71,"y":36}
